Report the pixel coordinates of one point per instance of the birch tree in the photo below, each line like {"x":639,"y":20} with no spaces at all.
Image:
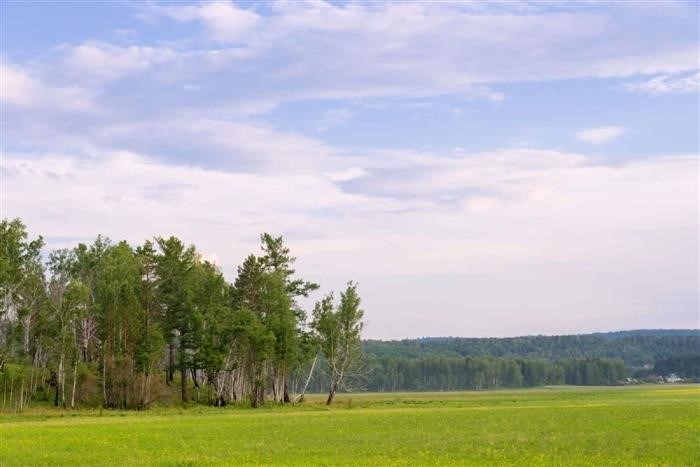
{"x":21,"y":287}
{"x":339,"y":332}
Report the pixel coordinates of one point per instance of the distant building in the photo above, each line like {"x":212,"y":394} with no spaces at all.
{"x":673,"y":378}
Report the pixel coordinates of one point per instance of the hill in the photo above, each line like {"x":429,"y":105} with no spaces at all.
{"x":635,"y":347}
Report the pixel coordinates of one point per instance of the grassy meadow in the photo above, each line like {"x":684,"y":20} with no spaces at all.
{"x":642,"y":425}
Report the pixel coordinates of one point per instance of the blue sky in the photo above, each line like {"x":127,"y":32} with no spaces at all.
{"x":496,"y":168}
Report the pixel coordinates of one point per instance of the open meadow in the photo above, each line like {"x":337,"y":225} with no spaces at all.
{"x":641,"y":425}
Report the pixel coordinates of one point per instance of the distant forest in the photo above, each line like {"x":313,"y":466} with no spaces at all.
{"x":635,"y":348}
{"x":452,"y":363}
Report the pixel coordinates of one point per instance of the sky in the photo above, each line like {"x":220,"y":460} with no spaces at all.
{"x":480,"y":169}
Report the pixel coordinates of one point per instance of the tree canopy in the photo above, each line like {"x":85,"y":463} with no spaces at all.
{"x":114,"y":324}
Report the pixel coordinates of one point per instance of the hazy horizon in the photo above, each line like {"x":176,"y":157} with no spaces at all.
{"x":481,"y":170}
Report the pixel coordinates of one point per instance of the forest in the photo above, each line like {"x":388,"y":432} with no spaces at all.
{"x":481,"y":373}
{"x":112,"y":325}
{"x":635,"y":348}
{"x":458,"y":363}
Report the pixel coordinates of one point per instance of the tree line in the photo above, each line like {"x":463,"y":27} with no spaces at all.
{"x":124,"y":327}
{"x":685,"y":366}
{"x":438,"y":373}
{"x":635,"y":348}
{"x":118,"y":324}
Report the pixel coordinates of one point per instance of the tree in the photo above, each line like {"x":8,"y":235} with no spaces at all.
{"x":339,"y":333}
{"x":255,"y":296}
{"x":286,"y":320}
{"x":68,"y":300}
{"x":212,"y":326}
{"x":150,"y":341}
{"x":119,"y":311}
{"x":21,"y":286}
{"x":175,"y":289}
{"x":88,"y":265}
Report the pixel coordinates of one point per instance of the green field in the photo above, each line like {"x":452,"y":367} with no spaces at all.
{"x":643,"y":425}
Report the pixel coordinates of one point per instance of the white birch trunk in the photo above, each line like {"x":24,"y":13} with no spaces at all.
{"x":75,"y":377}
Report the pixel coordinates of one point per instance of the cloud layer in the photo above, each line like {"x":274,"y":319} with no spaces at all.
{"x":595,"y":235}
{"x":599,"y":135}
{"x":333,"y":124}
{"x":666,"y":84}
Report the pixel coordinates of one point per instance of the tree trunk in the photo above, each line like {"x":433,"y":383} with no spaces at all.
{"x":171,"y":362}
{"x":258,"y":394}
{"x":196,"y":384}
{"x":255,"y":399}
{"x":62,"y":380}
{"x":43,"y":375}
{"x":30,"y":390}
{"x":232,"y":391}
{"x":55,"y":394}
{"x":286,"y":398}
{"x":142,"y":397}
{"x":21,"y":395}
{"x":261,"y":396}
{"x":147,"y":390}
{"x":183,"y":382}
{"x":308,"y":379}
{"x":104,"y":381}
{"x":331,"y":393}
{"x":75,"y":377}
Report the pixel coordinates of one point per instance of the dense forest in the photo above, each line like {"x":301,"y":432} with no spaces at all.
{"x":120,"y":326}
{"x":684,"y":366}
{"x":634,"y":348}
{"x":452,"y":363}
{"x":444,"y":364}
{"x":440,"y":373}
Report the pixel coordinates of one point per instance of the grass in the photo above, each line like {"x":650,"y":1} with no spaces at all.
{"x":643,"y":425}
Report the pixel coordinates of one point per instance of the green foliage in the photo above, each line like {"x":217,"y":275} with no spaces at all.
{"x":122,"y":315}
{"x":19,"y":258}
{"x":339,"y":337}
{"x":635,"y":349}
{"x":685,"y":366}
{"x":21,"y":288}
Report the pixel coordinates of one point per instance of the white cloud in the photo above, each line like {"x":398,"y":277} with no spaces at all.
{"x":19,"y":88}
{"x":599,"y":135}
{"x":666,"y":84}
{"x":202,"y":141}
{"x":318,"y":50}
{"x":450,"y":230}
{"x":224,"y":21}
{"x":355,"y":50}
{"x":346,"y":175}
{"x":603,"y":234}
{"x":334,"y":117}
{"x":108,"y":61}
